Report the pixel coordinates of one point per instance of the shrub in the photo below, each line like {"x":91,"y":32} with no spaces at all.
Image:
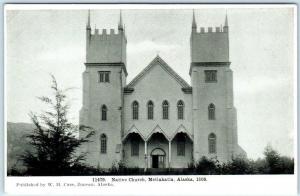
{"x":207,"y":166}
{"x":237,"y":165}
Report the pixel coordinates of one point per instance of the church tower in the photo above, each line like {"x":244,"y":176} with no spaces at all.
{"x":214,"y":115}
{"x":103,"y":81}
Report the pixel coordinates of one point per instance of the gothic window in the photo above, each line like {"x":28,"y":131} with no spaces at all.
{"x":135,"y":148}
{"x":150,"y":110}
{"x":165,"y":107}
{"x":103,"y":112}
{"x":211,"y":112}
{"x":210,"y":75}
{"x":180,"y":109}
{"x":103,"y":144}
{"x":181,"y":146}
{"x":212,"y":142}
{"x":135,"y":110}
{"x":103,"y":76}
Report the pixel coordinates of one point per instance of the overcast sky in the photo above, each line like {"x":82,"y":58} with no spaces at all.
{"x":40,"y":42}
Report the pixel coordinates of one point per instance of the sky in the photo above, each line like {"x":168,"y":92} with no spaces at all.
{"x":41,"y":42}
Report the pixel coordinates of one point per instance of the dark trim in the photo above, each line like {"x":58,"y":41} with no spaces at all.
{"x":209,"y":64}
{"x":128,"y":90}
{"x":109,"y":64}
{"x":187,"y":90}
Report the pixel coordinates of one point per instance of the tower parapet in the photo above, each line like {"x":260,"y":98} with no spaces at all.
{"x":106,"y":46}
{"x":210,"y":30}
{"x":210,"y":45}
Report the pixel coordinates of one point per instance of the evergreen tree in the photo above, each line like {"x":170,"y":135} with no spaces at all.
{"x":54,"y":141}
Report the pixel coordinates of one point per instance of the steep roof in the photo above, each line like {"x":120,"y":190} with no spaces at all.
{"x":158,"y":61}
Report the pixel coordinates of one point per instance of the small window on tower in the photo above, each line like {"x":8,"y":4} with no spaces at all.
{"x":210,"y":75}
{"x":103,"y":76}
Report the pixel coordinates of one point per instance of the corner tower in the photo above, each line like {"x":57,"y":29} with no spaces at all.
{"x":214,"y":115}
{"x":103,"y":81}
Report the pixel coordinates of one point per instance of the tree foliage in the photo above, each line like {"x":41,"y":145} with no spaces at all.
{"x":53,"y":139}
{"x":276,"y":164}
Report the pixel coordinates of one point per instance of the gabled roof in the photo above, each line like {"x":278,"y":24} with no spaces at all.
{"x":165,"y":66}
{"x":182,"y":129}
{"x":157,"y":129}
{"x":133,"y":129}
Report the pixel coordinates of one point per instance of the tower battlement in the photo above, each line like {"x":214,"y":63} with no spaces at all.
{"x":219,"y":29}
{"x":210,"y":45}
{"x":105,"y":32}
{"x":105,"y":46}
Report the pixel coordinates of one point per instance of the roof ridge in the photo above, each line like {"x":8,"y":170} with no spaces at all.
{"x":185,"y":84}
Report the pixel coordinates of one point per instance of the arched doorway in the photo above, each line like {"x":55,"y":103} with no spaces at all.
{"x":158,"y":157}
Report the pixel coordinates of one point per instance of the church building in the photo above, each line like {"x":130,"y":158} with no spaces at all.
{"x":158,"y":120}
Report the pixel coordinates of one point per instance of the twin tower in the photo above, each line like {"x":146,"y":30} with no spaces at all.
{"x":208,"y":45}
{"x":115,"y":109}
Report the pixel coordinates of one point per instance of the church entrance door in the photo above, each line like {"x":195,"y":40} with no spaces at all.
{"x":158,"y":158}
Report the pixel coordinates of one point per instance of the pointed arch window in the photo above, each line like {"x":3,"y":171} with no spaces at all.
{"x":180,"y":109}
{"x":103,"y":112}
{"x":135,"y":110}
{"x":103,"y":144}
{"x":150,"y":107}
{"x":165,"y":107}
{"x":212,"y":143}
{"x":211,"y":112}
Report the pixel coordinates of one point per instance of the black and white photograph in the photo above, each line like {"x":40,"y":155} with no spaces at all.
{"x":183,"y":95}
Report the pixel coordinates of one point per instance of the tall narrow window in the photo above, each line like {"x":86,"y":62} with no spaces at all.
{"x":180,"y":109}
{"x":103,"y":144}
{"x":103,"y":112}
{"x":181,"y":146}
{"x":210,"y":75}
{"x":103,"y":76}
{"x":212,"y":142}
{"x":106,"y":77}
{"x":135,"y":148}
{"x":150,"y":110}
{"x":135,"y":110}
{"x":165,"y":107}
{"x":211,"y":112}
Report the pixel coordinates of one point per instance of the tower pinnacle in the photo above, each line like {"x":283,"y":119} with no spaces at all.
{"x":226,"y":28}
{"x":120,"y":25}
{"x":88,"y":25}
{"x":226,"y":21}
{"x":194,"y":25}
